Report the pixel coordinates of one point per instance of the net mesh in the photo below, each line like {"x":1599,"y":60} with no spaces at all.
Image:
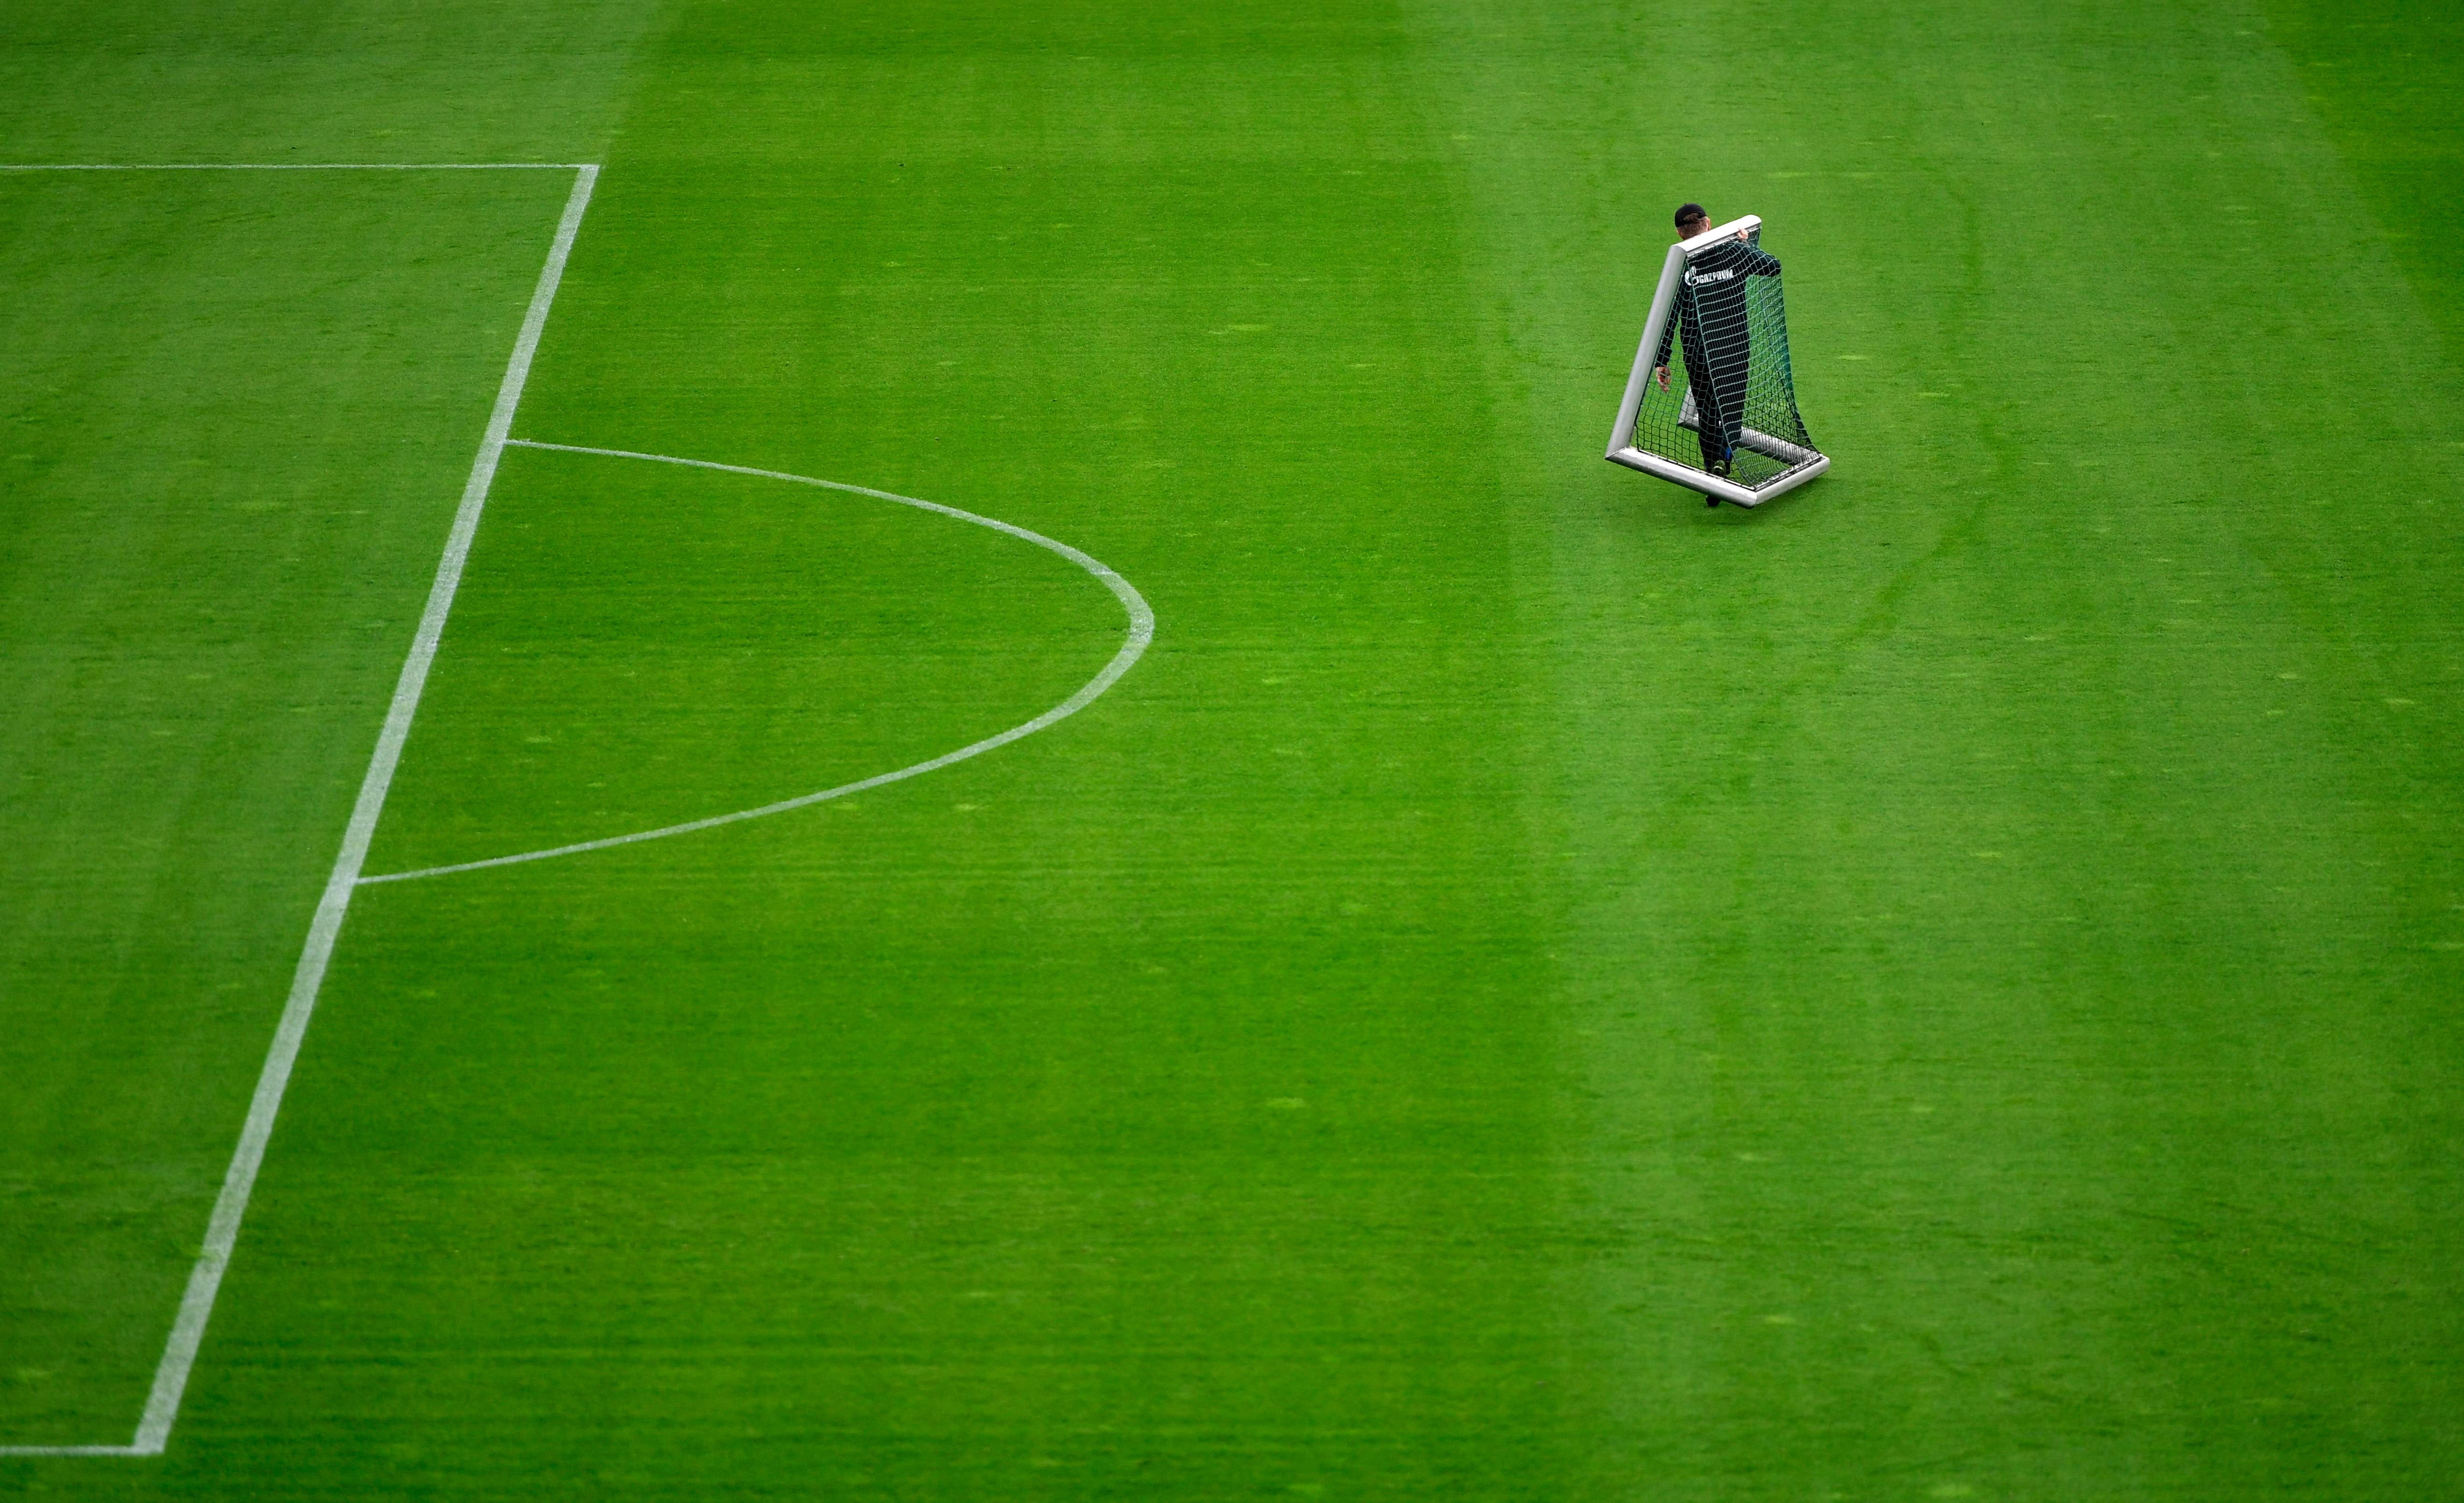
{"x":1730,"y":404}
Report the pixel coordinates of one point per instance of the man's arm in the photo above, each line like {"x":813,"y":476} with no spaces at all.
{"x":1668,"y":334}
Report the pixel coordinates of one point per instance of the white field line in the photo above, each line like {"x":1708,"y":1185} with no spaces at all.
{"x":297,"y":166}
{"x":1141,"y":632}
{"x":222,"y":1229}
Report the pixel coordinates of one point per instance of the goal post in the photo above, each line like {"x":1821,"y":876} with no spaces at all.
{"x":1727,"y":425}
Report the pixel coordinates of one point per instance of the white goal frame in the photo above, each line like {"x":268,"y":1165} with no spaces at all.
{"x":1806,"y":463}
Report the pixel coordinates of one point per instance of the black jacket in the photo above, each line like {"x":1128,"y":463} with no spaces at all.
{"x":1711,"y":304}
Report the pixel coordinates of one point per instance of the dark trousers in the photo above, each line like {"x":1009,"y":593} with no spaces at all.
{"x":1718,"y":402}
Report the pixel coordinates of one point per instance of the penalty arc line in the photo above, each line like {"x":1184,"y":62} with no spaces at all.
{"x":231,"y":1207}
{"x":1141,"y":632}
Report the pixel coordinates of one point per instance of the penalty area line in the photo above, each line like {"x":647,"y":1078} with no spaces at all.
{"x":297,"y":166}
{"x":239,"y":1181}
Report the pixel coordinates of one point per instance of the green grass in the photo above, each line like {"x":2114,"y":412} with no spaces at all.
{"x":1939,"y":987}
{"x":227,"y":484}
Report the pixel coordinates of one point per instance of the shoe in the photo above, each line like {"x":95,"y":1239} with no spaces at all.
{"x":1713,"y":501}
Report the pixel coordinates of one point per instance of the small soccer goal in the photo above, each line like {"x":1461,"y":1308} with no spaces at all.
{"x":1723,"y":420}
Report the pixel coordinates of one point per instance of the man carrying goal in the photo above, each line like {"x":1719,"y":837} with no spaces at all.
{"x":1711,"y":320}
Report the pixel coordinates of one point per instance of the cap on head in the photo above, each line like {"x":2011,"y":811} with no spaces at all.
{"x":1687,"y":213}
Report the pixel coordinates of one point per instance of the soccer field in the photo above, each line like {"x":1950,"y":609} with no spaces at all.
{"x":1445,"y":970}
